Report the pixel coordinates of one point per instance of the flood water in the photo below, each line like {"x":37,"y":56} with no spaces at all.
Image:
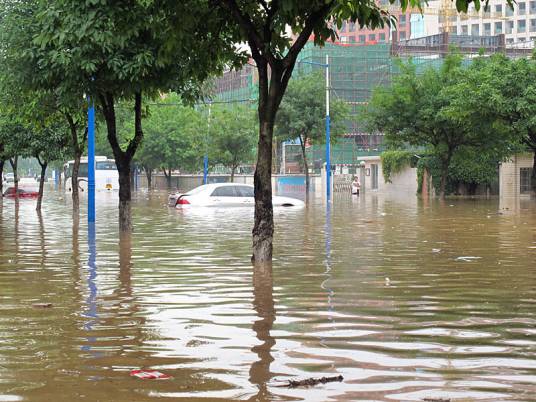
{"x":456,"y":317}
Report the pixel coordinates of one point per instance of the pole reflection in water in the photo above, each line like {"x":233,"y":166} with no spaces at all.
{"x":263,"y":303}
{"x":91,"y":302}
{"x":327,"y":273}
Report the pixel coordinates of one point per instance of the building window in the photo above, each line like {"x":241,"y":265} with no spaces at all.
{"x":402,"y":21}
{"x":498,"y":28}
{"x":464,"y":30}
{"x":352,"y":27}
{"x":475,"y":30}
{"x":352,"y":39}
{"x":521,"y":39}
{"x":522,"y":10}
{"x":510,"y":41}
{"x":509,"y":11}
{"x":487,"y":29}
{"x":372,"y":37}
{"x":382,"y":37}
{"x":498,"y":9}
{"x":362,"y":38}
{"x":524,"y":180}
{"x":509,"y":27}
{"x":402,"y":35}
{"x":343,"y":26}
{"x":533,"y":25}
{"x":521,"y":26}
{"x":532,"y":7}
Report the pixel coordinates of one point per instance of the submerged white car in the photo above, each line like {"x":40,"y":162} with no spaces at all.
{"x":225,"y":195}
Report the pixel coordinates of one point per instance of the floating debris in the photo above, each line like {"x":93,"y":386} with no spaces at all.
{"x":436,"y":399}
{"x":387,"y":282}
{"x":149,"y":375}
{"x":436,"y":250}
{"x":467,"y":258}
{"x":42,"y":305}
{"x":313,"y":381}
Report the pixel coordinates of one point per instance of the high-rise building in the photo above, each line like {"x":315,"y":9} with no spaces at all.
{"x":518,"y":25}
{"x":351,"y":33}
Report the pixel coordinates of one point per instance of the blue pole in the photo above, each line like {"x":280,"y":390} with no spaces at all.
{"x":205,"y":169}
{"x":328,"y":137}
{"x":91,"y":163}
{"x":328,"y":159}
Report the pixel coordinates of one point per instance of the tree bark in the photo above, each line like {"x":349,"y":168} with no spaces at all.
{"x":305,"y":166}
{"x":445,"y":163}
{"x":78,"y":150}
{"x":233,"y":170}
{"x":123,"y":158}
{"x":533,"y":176}
{"x":1,"y":178}
{"x":74,"y":183}
{"x":149,"y":174}
{"x":13,"y":162}
{"x":43,"y":165}
{"x":168,"y":177}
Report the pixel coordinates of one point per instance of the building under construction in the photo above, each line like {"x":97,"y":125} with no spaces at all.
{"x":355,"y":70}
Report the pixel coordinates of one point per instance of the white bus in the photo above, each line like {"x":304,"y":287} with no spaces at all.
{"x":106,"y":175}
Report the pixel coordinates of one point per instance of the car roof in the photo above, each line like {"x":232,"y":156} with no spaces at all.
{"x":216,"y":185}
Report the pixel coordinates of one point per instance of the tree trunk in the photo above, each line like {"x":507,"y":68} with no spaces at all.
{"x":123,"y":158}
{"x":168,"y":177}
{"x":533,"y":176}
{"x":125,"y":219}
{"x":445,"y":163}
{"x":13,"y":162}
{"x":149,"y":174}
{"x":1,"y":178}
{"x":305,"y":166}
{"x":271,"y":92}
{"x":233,"y":170}
{"x":43,"y":165}
{"x":74,"y":183}
{"x":78,"y":150}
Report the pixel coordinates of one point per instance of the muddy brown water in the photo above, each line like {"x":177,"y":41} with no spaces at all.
{"x":456,"y":317}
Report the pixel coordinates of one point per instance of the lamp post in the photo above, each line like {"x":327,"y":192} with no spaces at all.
{"x":328,"y":126}
{"x":205,"y":158}
{"x":90,"y":162}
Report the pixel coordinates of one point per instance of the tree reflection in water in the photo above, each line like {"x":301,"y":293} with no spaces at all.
{"x":263,"y":303}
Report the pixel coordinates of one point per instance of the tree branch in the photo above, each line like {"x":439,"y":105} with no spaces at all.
{"x":138,"y":132}
{"x":304,"y":35}
{"x":255,"y":40}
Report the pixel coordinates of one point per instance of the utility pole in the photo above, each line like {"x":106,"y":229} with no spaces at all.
{"x":90,"y":162}
{"x":205,"y":159}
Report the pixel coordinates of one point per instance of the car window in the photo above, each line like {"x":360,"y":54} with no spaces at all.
{"x":225,"y":191}
{"x":245,"y":191}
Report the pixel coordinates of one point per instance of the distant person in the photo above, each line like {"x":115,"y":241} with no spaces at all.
{"x":356,"y":186}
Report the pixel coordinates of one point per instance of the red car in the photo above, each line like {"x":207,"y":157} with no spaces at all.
{"x":10,"y":193}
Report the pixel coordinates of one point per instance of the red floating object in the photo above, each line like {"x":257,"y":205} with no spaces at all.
{"x":149,"y":375}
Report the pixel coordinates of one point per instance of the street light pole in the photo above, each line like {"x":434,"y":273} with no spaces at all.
{"x":90,"y":162}
{"x":328,"y":126}
{"x":205,"y":158}
{"x":328,"y":136}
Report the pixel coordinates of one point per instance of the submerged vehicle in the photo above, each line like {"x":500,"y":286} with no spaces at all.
{"x":106,"y":175}
{"x":225,"y":195}
{"x":23,"y":193}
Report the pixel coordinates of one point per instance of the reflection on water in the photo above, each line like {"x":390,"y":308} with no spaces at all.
{"x":456,"y":320}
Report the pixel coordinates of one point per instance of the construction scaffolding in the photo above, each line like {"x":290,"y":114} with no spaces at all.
{"x":355,"y":70}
